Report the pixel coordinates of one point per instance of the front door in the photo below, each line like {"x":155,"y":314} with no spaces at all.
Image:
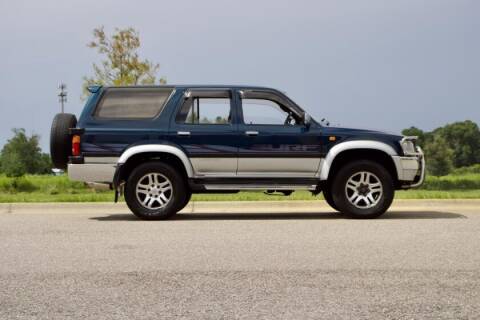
{"x":204,"y":127}
{"x":273,"y":141}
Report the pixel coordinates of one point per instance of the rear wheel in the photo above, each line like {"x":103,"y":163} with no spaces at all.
{"x":363,"y":190}
{"x":327,"y":194}
{"x":155,"y":190}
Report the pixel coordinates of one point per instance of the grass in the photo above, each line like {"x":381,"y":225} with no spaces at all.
{"x":34,"y":188}
{"x":38,"y":188}
{"x":466,"y":170}
{"x":469,"y":181}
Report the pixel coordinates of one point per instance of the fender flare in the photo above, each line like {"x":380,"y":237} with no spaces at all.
{"x":352,"y":145}
{"x":160,"y":148}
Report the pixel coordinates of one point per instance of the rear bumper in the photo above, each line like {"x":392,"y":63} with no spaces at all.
{"x":92,"y":172}
{"x":410,"y":169}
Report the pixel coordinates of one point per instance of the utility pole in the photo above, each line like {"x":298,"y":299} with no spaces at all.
{"x":62,"y":96}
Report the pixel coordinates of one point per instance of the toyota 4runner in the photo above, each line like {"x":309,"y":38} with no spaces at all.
{"x":158,"y":145}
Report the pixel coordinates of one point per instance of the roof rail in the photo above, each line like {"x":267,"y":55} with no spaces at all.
{"x":94,"y":88}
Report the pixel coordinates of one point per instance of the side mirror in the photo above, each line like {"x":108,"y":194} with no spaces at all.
{"x":307,"y":120}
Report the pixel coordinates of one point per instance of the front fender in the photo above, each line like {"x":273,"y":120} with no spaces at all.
{"x":352,"y":145}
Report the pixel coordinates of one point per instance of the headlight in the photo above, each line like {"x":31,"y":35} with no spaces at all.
{"x":408,"y":146}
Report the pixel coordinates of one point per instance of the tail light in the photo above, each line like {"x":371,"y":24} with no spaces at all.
{"x":75,"y":145}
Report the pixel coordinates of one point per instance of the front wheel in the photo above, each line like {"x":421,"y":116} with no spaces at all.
{"x":363,"y":190}
{"x":188,"y":196}
{"x":155,"y":190}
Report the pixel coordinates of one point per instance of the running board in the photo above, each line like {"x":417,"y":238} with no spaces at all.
{"x":258,"y":187}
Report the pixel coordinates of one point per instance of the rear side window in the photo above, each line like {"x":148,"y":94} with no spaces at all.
{"x":134,"y":103}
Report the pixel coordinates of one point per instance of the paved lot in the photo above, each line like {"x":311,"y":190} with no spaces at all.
{"x":260,"y":260}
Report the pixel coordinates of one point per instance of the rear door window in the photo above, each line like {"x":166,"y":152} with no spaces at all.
{"x":206,"y":110}
{"x":132,"y":103}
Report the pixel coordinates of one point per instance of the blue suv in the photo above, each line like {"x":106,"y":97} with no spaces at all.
{"x":160,"y":144}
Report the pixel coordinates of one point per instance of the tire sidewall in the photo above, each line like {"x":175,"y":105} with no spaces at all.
{"x":60,"y":139}
{"x":188,"y":196}
{"x":178,"y":191}
{"x":340,"y":198}
{"x":327,"y":195}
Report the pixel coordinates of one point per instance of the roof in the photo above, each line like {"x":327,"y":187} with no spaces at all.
{"x":184,"y":86}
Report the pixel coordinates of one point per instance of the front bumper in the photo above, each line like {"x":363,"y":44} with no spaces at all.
{"x":410,"y":169}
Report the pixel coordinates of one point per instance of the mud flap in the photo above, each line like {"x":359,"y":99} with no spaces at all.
{"x":116,"y":185}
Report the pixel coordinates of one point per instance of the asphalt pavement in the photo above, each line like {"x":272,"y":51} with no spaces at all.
{"x":249,"y":260}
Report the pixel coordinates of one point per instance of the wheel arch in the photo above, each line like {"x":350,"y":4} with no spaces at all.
{"x":136,"y":155}
{"x":358,"y":150}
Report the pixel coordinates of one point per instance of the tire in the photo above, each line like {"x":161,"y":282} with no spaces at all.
{"x":327,"y":195}
{"x":60,"y":139}
{"x":147,"y":181}
{"x":188,"y":196}
{"x":369,"y":193}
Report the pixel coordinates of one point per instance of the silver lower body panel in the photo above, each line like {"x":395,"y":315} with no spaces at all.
{"x":214,"y":166}
{"x":301,"y":167}
{"x":256,"y":167}
{"x":92,"y":172}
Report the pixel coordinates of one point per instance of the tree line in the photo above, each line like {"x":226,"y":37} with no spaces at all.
{"x":449,"y":147}
{"x":22,"y":155}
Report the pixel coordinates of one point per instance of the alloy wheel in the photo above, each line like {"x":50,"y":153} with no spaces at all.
{"x":364,"y":190}
{"x":154,"y":191}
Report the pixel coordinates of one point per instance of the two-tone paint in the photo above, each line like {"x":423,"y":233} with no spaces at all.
{"x":234,"y":150}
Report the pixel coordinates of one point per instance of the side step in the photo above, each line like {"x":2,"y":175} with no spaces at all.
{"x":259,"y":187}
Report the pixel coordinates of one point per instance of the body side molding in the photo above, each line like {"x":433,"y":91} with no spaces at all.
{"x":161,"y":148}
{"x":352,"y":145}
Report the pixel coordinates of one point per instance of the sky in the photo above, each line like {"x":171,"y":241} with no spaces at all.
{"x":374,"y":64}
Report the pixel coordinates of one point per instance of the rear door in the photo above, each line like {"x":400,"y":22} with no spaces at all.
{"x":273,"y":140}
{"x":204,"y":127}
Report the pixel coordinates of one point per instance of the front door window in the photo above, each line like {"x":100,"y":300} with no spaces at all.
{"x":261,"y":111}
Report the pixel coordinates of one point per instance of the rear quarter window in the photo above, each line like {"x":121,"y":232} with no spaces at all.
{"x":132,"y":103}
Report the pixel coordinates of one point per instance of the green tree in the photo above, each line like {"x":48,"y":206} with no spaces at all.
{"x":121,"y":64}
{"x":45,"y":164}
{"x":22,"y":154}
{"x":424,"y":138}
{"x":461,"y":139}
{"x":464,"y":139}
{"x":439,"y":157}
{"x":413,"y":131}
{"x":12,"y":165}
{"x":220,"y":120}
{"x":205,"y":120}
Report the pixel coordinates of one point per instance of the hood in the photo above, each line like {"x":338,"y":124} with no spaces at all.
{"x":352,"y":132}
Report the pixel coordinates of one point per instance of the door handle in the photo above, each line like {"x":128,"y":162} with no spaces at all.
{"x":251,"y":133}
{"x":183,"y":133}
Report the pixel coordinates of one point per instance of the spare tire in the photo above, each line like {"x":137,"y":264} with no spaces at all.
{"x":60,"y":139}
